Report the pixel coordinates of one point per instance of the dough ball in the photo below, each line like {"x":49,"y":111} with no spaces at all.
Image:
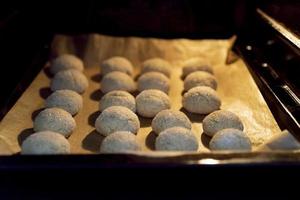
{"x":169,"y":118}
{"x":120,"y":142}
{"x":116,"y":63}
{"x":151,"y":102}
{"x":117,"y":81}
{"x":283,"y":141}
{"x":70,"y":79}
{"x":117,"y":118}
{"x":201,"y":100}
{"x":194,"y":65}
{"x":230,"y":139}
{"x":117,"y":98}
{"x":67,"y":100}
{"x":176,"y":139}
{"x":154,"y":80}
{"x":66,"y":61}
{"x":157,"y":65}
{"x":221,"y":119}
{"x":200,"y":78}
{"x":56,"y":120}
{"x":45,"y":142}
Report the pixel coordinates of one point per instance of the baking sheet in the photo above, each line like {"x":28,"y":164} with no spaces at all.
{"x":236,"y":88}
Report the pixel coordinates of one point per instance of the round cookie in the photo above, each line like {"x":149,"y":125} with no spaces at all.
{"x":200,"y":78}
{"x":116,"y":63}
{"x":221,"y":119}
{"x":230,"y":139}
{"x":176,"y":139}
{"x":45,"y":142}
{"x":201,"y":100}
{"x":117,"y":81}
{"x":117,"y":98}
{"x":70,"y":79}
{"x":120,"y":142}
{"x":157,"y":65}
{"x":117,"y":118}
{"x":56,"y":120}
{"x":64,"y":62}
{"x":67,"y":100}
{"x":153,"y":80}
{"x":170,"y":118}
{"x":194,"y":65}
{"x":151,"y":102}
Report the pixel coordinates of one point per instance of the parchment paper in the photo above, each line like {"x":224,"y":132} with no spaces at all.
{"x":236,"y":88}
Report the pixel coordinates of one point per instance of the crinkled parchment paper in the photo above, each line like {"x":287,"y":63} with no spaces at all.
{"x":236,"y":88}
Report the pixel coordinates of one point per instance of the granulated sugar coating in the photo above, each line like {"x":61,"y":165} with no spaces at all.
{"x":157,"y":65}
{"x":230,"y":139}
{"x":176,"y":139}
{"x":70,"y":79}
{"x":117,"y":118}
{"x":120,"y":142}
{"x":67,"y":100}
{"x":56,"y":120}
{"x":117,"y":98}
{"x":153,"y":80}
{"x":116,"y":63}
{"x":66,"y":61}
{"x":151,"y":102}
{"x":219,"y":120}
{"x":45,"y":142}
{"x":200,"y":78}
{"x":201,"y":100}
{"x":169,"y":118}
{"x":117,"y":81}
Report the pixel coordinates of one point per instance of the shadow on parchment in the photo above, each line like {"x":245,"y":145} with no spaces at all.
{"x":150,"y":140}
{"x":48,"y":72}
{"x":205,"y":139}
{"x":192,"y":116}
{"x":24,"y":134}
{"x":92,"y":141}
{"x":45,"y":92}
{"x":96,"y":95}
{"x":35,"y":113}
{"x":96,"y":78}
{"x":145,"y":122}
{"x":92,"y":118}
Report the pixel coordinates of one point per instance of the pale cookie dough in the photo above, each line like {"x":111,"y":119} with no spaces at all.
{"x":200,"y":78}
{"x":169,"y":118}
{"x":151,"y":102}
{"x":153,"y":80}
{"x":67,"y":100}
{"x":45,"y":142}
{"x":120,"y":142}
{"x":230,"y":139}
{"x":66,"y":61}
{"x":176,"y":139}
{"x":117,"y":81}
{"x":117,"y":118}
{"x":56,"y":120}
{"x":283,"y":141}
{"x":219,"y":120}
{"x":70,"y":79}
{"x":157,"y":65}
{"x":201,"y":100}
{"x":117,"y":98}
{"x":194,"y":65}
{"x":116,"y":63}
